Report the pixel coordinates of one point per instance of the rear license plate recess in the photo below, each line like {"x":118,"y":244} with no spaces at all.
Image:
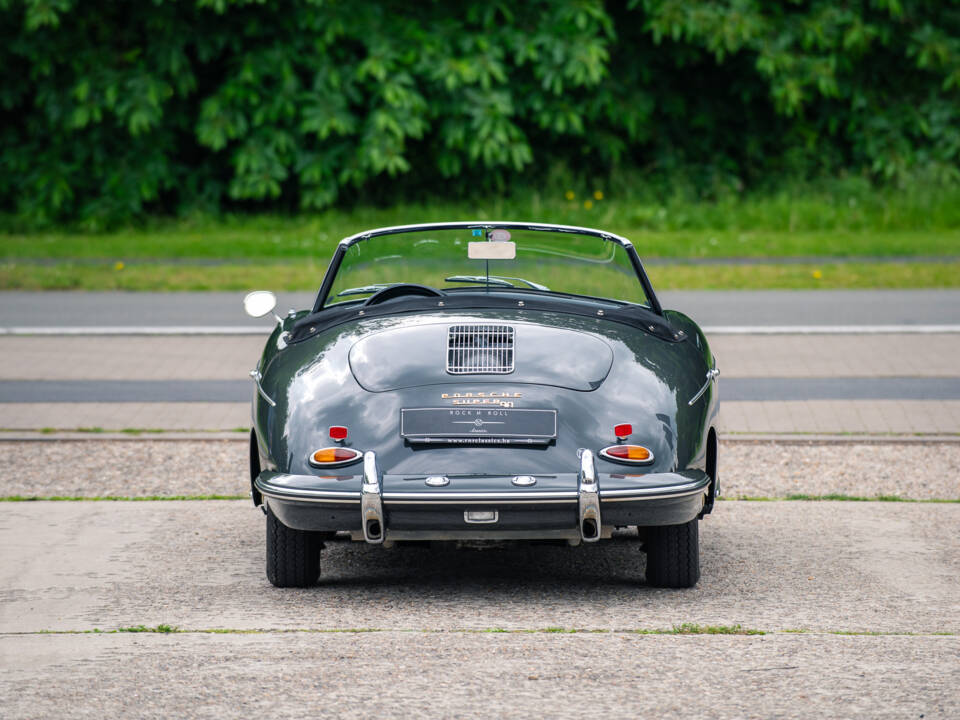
{"x":479,"y":426}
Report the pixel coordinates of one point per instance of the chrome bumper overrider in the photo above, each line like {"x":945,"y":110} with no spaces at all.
{"x":588,"y":496}
{"x":371,"y":505}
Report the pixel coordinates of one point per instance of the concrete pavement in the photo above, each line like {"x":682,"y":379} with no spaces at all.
{"x":858,"y":602}
{"x":775,"y":566}
{"x":478,"y":675}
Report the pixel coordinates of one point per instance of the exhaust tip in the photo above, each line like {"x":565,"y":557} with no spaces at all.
{"x":589,"y":528}
{"x":373,"y":529}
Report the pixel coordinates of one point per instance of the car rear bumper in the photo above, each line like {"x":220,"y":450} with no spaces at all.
{"x":576,"y":506}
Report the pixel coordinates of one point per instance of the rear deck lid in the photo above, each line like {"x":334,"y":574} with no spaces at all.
{"x":444,"y":353}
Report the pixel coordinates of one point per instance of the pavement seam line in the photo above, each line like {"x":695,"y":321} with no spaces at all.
{"x":684,"y":629}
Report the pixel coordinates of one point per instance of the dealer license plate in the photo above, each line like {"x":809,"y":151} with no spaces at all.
{"x":479,"y":426}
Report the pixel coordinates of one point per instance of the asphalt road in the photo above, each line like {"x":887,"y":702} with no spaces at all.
{"x":708,"y":308}
{"x":467,"y":633}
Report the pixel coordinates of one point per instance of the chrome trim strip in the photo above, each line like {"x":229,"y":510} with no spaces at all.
{"x":693,"y":486}
{"x":371,"y":505}
{"x":484,"y":225}
{"x":712,"y":374}
{"x":309,"y":492}
{"x":307,"y":499}
{"x":257,"y":376}
{"x":335,"y":496}
{"x":280,"y":492}
{"x":332,"y":496}
{"x":588,"y":497}
{"x":491,"y":496}
{"x":664,"y":496}
{"x":485,"y":533}
{"x":478,"y":501}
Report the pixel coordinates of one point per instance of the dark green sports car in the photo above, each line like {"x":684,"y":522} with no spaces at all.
{"x":484,"y":381}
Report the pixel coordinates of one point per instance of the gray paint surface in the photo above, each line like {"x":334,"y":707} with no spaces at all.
{"x":733,"y":389}
{"x":747,"y":307}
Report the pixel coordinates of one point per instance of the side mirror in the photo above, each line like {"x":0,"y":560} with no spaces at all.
{"x":259,"y":303}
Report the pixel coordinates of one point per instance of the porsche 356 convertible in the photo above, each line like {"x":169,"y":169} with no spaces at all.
{"x":483,"y":381}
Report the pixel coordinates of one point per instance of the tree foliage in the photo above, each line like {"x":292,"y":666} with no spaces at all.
{"x":110,"y":109}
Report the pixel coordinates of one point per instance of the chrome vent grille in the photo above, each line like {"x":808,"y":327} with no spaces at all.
{"x":479,"y":349}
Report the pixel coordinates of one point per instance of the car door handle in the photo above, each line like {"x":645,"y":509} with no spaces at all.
{"x":712,"y":374}
{"x":257,"y":377}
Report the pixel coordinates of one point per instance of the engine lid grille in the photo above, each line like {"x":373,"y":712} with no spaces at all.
{"x":480,"y":349}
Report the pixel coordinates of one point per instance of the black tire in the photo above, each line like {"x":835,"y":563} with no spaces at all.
{"x":673,"y":555}
{"x":293,"y":556}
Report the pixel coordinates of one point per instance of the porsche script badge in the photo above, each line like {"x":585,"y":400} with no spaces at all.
{"x":500,"y":399}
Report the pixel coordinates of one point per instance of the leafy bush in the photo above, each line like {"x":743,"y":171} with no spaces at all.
{"x":109,"y":110}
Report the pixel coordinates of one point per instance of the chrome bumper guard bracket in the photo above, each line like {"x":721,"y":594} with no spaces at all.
{"x":588,"y":492}
{"x":371,"y":504}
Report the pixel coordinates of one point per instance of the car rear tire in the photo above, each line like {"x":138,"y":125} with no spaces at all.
{"x":293,"y":556}
{"x":673,"y":555}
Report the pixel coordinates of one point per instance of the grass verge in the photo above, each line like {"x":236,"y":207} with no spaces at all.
{"x":843,"y":217}
{"x":306,"y":276}
{"x":836,"y":497}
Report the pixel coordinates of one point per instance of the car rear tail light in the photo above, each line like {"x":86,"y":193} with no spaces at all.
{"x":622,"y":432}
{"x":630,"y":454}
{"x":338,"y":432}
{"x":332,"y":456}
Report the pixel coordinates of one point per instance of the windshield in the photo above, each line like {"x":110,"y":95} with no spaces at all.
{"x":544,"y":262}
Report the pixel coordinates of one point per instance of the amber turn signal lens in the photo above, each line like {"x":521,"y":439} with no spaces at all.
{"x":334,"y":456}
{"x":627,"y":453}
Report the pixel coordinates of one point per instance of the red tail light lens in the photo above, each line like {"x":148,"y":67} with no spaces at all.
{"x":338,"y":432}
{"x":630,"y":454}
{"x":623,"y":431}
{"x":331,"y":456}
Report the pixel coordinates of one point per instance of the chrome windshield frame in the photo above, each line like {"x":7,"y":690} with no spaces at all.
{"x":352,"y":240}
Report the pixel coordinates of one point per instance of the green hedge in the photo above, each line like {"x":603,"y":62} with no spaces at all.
{"x":109,"y":110}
